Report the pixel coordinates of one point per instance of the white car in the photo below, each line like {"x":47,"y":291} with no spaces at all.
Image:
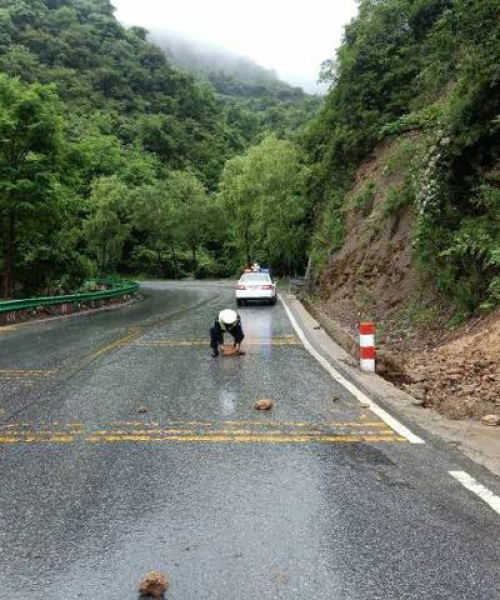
{"x":255,"y":286}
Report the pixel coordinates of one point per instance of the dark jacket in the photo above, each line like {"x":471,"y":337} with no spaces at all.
{"x":218,"y":330}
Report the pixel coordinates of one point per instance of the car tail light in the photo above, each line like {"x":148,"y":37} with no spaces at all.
{"x":266,"y":287}
{"x":240,"y":286}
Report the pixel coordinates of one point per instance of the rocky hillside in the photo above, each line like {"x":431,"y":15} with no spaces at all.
{"x":405,"y":181}
{"x":446,"y":365}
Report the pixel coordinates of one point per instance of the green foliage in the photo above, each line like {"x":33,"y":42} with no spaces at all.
{"x":114,"y":165}
{"x":105,"y":228}
{"x":98,"y":66}
{"x":254,"y":99}
{"x":263,"y":197}
{"x":31,"y":175}
{"x":425,"y":119}
{"x":399,"y":198}
{"x":363,"y":201}
{"x":329,"y":234}
{"x":431,"y":67}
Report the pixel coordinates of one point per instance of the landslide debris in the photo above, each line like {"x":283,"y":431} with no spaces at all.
{"x":373,"y":276}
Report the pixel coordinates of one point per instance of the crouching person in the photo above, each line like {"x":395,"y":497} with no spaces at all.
{"x":229,"y":322}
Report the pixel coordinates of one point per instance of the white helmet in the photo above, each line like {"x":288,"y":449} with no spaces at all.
{"x":228,"y":316}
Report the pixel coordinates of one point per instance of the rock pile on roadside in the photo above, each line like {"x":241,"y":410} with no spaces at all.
{"x":461,"y":378}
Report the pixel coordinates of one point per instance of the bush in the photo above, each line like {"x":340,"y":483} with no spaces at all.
{"x":363,"y":201}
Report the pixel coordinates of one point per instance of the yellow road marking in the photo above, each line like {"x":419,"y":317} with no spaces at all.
{"x":194,"y":431}
{"x":285,"y":341}
{"x":298,"y":423}
{"x":191,"y":424}
{"x":6,"y":328}
{"x":168,"y":432}
{"x":247,"y":438}
{"x":132,"y":335}
{"x":36,"y":439}
{"x":25,"y":373}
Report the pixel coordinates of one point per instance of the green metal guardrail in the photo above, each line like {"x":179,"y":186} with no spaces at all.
{"x":116,"y":288}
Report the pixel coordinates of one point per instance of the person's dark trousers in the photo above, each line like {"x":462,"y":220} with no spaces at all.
{"x":216,"y":339}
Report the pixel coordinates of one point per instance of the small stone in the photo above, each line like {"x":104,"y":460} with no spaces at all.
{"x":418,"y":393}
{"x":264,"y":404}
{"x":418,"y":402}
{"x":418,"y":378}
{"x":491,"y":420}
{"x":154,"y":584}
{"x":364,"y":404}
{"x":142,"y":410}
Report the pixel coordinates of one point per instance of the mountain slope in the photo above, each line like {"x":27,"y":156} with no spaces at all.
{"x":97,"y":66}
{"x":405,"y":162}
{"x":242,"y":85}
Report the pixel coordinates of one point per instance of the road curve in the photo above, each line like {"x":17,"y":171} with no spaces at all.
{"x":124,"y":447}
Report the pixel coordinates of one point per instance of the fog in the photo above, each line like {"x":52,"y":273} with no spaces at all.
{"x":291,"y":38}
{"x":198,"y":56}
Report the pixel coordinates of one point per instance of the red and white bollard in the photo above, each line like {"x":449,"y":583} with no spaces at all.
{"x":367,"y":346}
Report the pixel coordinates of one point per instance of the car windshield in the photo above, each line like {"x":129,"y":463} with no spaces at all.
{"x":256,"y":278}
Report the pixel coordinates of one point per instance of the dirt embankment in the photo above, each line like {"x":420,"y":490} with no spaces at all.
{"x":454,"y":370}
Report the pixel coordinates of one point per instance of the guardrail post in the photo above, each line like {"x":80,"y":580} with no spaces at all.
{"x":367,"y":346}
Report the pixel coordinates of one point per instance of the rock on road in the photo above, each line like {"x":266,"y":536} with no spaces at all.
{"x":316,"y":499}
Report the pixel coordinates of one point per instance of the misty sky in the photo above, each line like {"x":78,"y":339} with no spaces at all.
{"x":292,"y":37}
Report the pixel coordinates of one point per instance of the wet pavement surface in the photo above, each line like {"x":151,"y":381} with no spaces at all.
{"x":317,"y":499}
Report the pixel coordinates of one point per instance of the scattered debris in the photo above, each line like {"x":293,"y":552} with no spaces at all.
{"x":154,"y":584}
{"x":491,"y":420}
{"x":264,"y":404}
{"x":142,"y":410}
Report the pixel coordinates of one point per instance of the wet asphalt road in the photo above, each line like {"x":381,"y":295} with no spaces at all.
{"x":318,"y":499}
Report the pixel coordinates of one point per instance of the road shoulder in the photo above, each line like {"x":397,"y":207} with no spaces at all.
{"x":476,"y":442}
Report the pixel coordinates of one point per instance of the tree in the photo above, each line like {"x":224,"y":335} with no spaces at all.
{"x":264,"y":191}
{"x":238,"y":197}
{"x":190,"y":198}
{"x":106,"y":227}
{"x":155,"y":217}
{"x":30,"y":165}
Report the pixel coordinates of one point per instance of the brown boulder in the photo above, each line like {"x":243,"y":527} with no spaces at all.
{"x":154,"y":584}
{"x":264,"y":404}
{"x":491,"y":420}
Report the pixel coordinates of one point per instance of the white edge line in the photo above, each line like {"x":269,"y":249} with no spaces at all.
{"x":350,"y":387}
{"x":473,"y":486}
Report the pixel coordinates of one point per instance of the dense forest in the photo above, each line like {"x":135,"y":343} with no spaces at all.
{"x":251,"y":93}
{"x":110,"y":156}
{"x":423,"y":78}
{"x":114,"y":158}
